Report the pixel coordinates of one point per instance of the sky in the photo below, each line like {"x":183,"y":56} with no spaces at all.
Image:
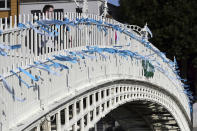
{"x":114,"y":2}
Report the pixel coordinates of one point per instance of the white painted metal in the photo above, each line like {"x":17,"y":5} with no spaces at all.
{"x":105,"y":8}
{"x":53,"y":91}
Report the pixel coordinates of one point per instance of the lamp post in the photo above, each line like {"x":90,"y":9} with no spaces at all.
{"x":17,"y":12}
{"x":85,"y":8}
{"x":105,"y":9}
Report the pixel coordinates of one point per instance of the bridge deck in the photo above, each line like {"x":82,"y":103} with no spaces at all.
{"x":57,"y":73}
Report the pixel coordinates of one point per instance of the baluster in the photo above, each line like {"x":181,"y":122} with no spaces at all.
{"x":6,"y":42}
{"x":69,"y":33}
{"x":107,"y":36}
{"x":28,"y":42}
{"x":19,"y":53}
{"x":15,"y":41}
{"x":93,"y":33}
{"x":66,"y":36}
{"x":11,"y":43}
{"x":83,"y":33}
{"x":74,"y":111}
{"x":89,"y":33}
{"x":38,"y":127}
{"x":105,"y":99}
{"x":23,"y":43}
{"x":74,"y":31}
{"x":1,"y":42}
{"x":75,"y":127}
{"x":100,"y":106}
{"x":77,"y":32}
{"x":59,"y":36}
{"x":97,"y":32}
{"x":61,"y":33}
{"x":55,"y":38}
{"x":82,"y":124}
{"x":102,"y":34}
{"x":66,"y":110}
{"x":94,"y":105}
{"x":58,"y":121}
{"x":81,"y":106}
{"x":119,"y":95}
{"x":40,"y":47}
{"x":31,"y":39}
{"x":110,"y":100}
{"x":43,"y":42}
{"x":35,"y":46}
{"x":88,"y":102}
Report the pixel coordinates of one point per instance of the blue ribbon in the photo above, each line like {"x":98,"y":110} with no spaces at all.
{"x":14,"y":73}
{"x":110,"y":50}
{"x":44,"y":67}
{"x":57,"y":65}
{"x":15,"y":47}
{"x":77,"y":54}
{"x":49,"y":33}
{"x":66,"y":58}
{"x":7,"y":47}
{"x":3,"y":53}
{"x":22,"y":26}
{"x":101,"y":26}
{"x":94,"y":49}
{"x":11,"y":91}
{"x":36,"y":30}
{"x":41,"y":23}
{"x":28,"y":74}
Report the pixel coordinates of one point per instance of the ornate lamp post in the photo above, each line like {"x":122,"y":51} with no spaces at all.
{"x":145,"y":32}
{"x":105,"y":9}
{"x":85,"y":8}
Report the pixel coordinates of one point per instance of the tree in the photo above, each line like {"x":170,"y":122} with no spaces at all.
{"x":173,"y":23}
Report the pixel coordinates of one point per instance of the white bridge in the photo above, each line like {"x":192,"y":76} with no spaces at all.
{"x":100,"y":86}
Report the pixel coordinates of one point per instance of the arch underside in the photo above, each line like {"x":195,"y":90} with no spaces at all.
{"x":153,"y":109}
{"x":138,"y":116}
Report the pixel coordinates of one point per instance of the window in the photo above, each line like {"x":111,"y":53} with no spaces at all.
{"x":4,"y":4}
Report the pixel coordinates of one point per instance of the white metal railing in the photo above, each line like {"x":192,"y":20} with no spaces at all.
{"x":36,"y":47}
{"x":99,"y":102}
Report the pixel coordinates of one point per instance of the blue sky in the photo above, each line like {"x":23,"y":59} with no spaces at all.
{"x":114,"y":2}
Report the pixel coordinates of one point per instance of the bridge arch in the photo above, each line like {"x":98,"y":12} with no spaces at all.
{"x":85,"y":109}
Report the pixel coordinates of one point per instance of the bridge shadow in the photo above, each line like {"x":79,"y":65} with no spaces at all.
{"x":137,"y":116}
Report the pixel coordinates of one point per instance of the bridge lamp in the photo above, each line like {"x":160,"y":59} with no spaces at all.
{"x":105,"y":9}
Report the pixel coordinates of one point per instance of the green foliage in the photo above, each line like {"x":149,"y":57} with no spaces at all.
{"x":174,"y":28}
{"x":173,"y":23}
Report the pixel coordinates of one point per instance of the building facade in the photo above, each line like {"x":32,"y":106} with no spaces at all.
{"x":33,"y":6}
{"x":9,"y":8}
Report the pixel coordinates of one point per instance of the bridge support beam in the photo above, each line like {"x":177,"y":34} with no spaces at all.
{"x":86,"y":110}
